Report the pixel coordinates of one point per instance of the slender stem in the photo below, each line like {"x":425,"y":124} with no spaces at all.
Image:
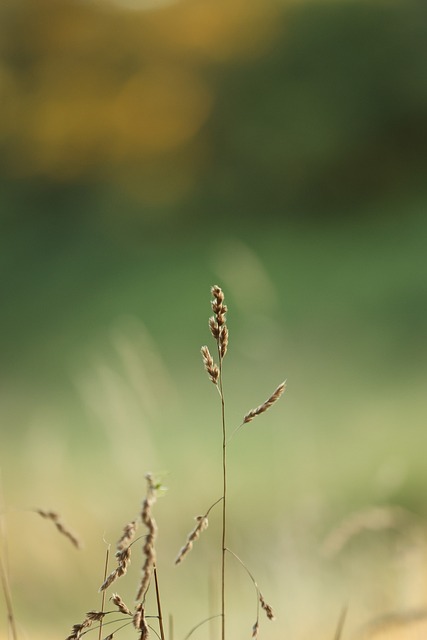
{"x":190,"y":633}
{"x":341,"y":621}
{"x":224,"y":497}
{"x":4,"y":574}
{"x":8,"y":599}
{"x":171,"y":627}
{"x":159,"y":607}
{"x":107,"y":557}
{"x":253,"y":581}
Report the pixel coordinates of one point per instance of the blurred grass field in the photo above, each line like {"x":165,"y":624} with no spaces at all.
{"x":115,"y":387}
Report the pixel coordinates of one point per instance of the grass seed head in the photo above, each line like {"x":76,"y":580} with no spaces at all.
{"x":211,"y":368}
{"x":265,"y":405}
{"x":202,"y":525}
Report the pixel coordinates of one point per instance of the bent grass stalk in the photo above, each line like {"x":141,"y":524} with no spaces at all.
{"x":220,"y":333}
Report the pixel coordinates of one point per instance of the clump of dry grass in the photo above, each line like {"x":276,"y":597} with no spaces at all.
{"x":136,"y":617}
{"x":123,"y":555}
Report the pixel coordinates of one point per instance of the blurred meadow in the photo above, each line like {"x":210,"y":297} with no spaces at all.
{"x":148,"y":150}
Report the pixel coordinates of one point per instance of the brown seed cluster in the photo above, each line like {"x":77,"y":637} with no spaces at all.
{"x":219,"y":330}
{"x":211,"y":368}
{"x":128,"y":535}
{"x":79,"y":629}
{"x":123,"y":554}
{"x":202,"y":525}
{"x":140,"y":623}
{"x":148,"y":548}
{"x":265,"y":405}
{"x":123,"y":560}
{"x":59,"y":524}
{"x":217,"y":323}
{"x":117,"y":600}
{"x":268,"y":610}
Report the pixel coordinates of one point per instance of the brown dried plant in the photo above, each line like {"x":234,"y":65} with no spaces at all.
{"x":219,"y":331}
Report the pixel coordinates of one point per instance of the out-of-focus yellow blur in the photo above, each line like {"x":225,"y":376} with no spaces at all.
{"x":91,"y":90}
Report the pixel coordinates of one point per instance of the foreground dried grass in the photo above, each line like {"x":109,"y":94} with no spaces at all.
{"x":134,"y":615}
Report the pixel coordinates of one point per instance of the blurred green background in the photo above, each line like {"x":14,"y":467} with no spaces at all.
{"x":148,"y":151}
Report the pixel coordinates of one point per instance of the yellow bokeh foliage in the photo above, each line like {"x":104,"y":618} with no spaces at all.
{"x":91,"y":90}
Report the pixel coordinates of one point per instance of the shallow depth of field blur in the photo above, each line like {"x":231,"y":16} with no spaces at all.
{"x":151,"y":149}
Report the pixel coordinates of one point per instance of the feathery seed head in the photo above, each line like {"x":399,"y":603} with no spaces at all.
{"x":268,"y":610}
{"x":223,"y":341}
{"x":265,"y":405}
{"x":210,"y":366}
{"x":214,"y":327}
{"x":117,"y":600}
{"x":217,"y":293}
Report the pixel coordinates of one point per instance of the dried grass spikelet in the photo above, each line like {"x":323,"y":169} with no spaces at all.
{"x":128,"y":535}
{"x":79,"y":629}
{"x":60,"y":525}
{"x":140,"y":623}
{"x":265,"y":405}
{"x":123,"y":559}
{"x":217,"y":321}
{"x":117,"y":600}
{"x":268,"y":610}
{"x":213,"y":326}
{"x":202,"y":525}
{"x":210,"y":366}
{"x":255,"y":629}
{"x":123,"y":554}
{"x":148,"y":548}
{"x":223,"y":341}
